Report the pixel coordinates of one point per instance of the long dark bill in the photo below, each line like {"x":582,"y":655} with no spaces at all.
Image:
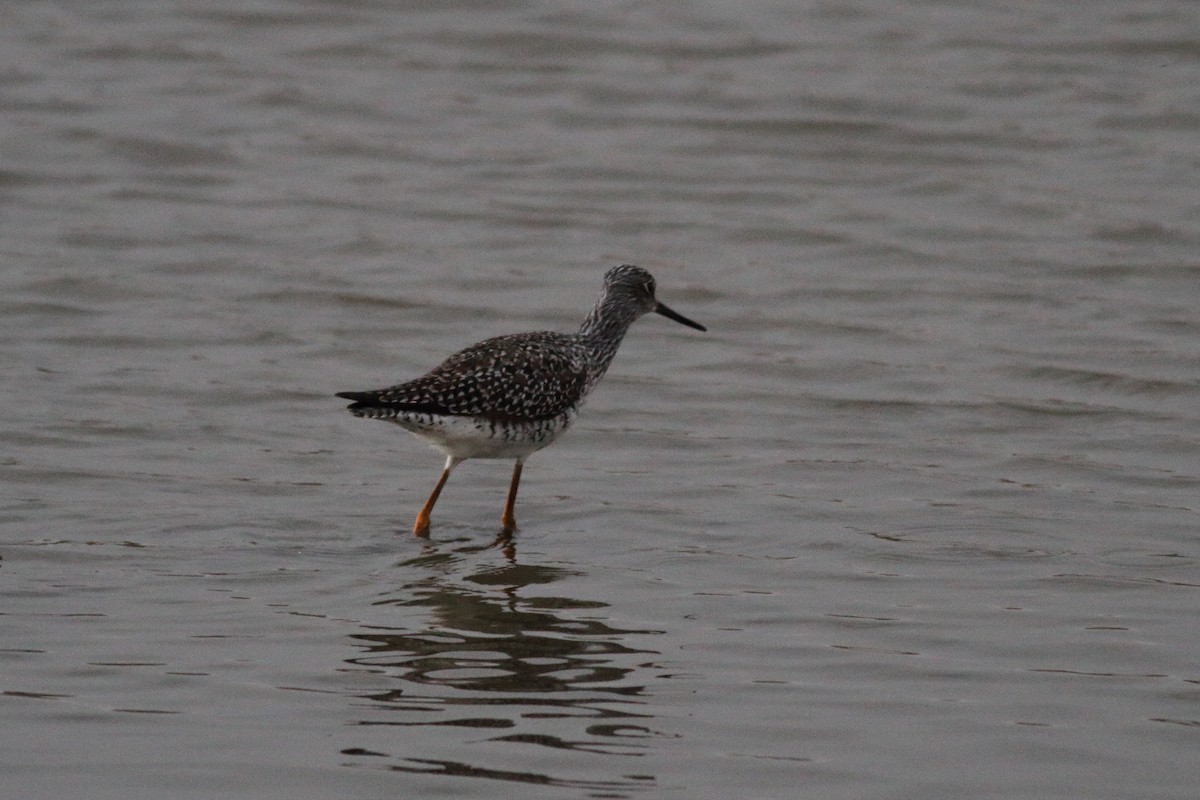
{"x":669,"y":314}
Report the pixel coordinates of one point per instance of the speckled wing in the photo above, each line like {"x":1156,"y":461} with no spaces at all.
{"x":522,"y":377}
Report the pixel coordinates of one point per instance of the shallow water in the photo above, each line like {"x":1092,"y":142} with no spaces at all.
{"x":916,"y":517}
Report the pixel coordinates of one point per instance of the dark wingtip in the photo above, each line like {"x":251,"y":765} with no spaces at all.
{"x":370,"y":404}
{"x":358,"y":400}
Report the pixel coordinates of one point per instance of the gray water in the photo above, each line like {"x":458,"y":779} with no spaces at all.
{"x":916,"y":518}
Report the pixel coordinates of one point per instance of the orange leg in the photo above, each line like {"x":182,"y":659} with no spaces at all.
{"x":421,"y":526}
{"x":509,"y":520}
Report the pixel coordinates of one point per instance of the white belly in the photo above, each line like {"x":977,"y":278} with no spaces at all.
{"x":468,"y":437}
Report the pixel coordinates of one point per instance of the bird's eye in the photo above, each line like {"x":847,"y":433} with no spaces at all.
{"x":650,"y":288}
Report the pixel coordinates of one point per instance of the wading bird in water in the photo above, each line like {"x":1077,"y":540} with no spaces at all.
{"x":510,"y":396}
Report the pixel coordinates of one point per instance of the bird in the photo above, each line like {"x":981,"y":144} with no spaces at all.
{"x":510,"y":396}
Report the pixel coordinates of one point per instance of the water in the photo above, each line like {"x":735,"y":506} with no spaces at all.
{"x":915,"y":518}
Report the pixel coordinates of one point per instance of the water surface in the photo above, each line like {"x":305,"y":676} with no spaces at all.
{"x":915,"y":518}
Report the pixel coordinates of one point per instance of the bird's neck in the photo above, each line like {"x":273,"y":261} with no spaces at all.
{"x":604,"y":328}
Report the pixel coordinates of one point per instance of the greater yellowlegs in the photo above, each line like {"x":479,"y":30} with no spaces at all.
{"x":511,"y":396}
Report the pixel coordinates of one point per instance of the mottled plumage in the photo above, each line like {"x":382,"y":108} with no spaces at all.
{"x":510,"y":396}
{"x":514,"y":378}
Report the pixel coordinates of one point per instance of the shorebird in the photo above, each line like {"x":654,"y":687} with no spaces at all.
{"x":510,"y":396}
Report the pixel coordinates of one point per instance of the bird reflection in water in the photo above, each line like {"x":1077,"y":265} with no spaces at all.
{"x":489,"y":655}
